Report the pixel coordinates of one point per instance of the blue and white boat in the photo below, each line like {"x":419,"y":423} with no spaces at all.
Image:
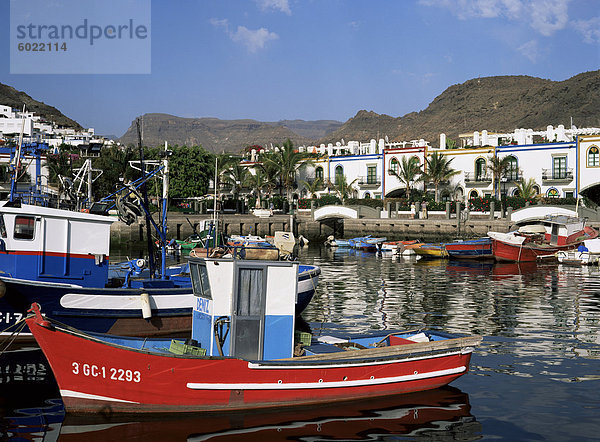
{"x":60,"y":258}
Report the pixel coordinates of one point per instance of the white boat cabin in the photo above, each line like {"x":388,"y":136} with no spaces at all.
{"x":54,"y":245}
{"x":244,"y":309}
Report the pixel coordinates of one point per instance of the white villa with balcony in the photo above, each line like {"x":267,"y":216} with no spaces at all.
{"x":562,"y":162}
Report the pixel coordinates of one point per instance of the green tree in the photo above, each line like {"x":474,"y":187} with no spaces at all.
{"x":236,"y":176}
{"x":408,"y":173}
{"x":190,"y":171}
{"x":260,"y":182}
{"x":526,"y":189}
{"x":438,"y":171}
{"x":451,"y":144}
{"x":343,"y":189}
{"x":114,"y":162}
{"x":312,"y":187}
{"x":498,"y":167}
{"x":287,"y":161}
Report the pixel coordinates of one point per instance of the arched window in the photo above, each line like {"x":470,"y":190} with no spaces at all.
{"x":473,"y":194}
{"x":536,"y":189}
{"x":480,"y":169}
{"x":339,"y":174}
{"x":593,"y":157}
{"x":367,"y":196}
{"x":416,"y":160}
{"x":512,"y":169}
{"x":394,"y":165}
{"x":319,"y":173}
{"x":553,"y":193}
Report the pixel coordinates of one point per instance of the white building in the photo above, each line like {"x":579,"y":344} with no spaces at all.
{"x":562,"y":167}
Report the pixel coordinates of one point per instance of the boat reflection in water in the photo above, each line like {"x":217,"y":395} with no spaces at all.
{"x":436,"y":413}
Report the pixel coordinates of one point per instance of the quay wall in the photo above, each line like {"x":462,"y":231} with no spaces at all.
{"x":436,"y":227}
{"x":431,"y":229}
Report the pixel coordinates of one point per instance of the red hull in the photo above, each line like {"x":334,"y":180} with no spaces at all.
{"x":532,"y":251}
{"x":395,"y":415}
{"x":94,"y":376}
{"x":526,"y":252}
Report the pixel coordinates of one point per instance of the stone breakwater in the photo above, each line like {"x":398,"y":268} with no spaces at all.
{"x":432,"y":229}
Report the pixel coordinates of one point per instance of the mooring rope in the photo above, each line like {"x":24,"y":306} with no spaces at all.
{"x":20,"y":325}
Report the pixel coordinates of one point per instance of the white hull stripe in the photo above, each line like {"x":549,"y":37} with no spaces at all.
{"x":342,"y":363}
{"x":40,"y":283}
{"x":334,"y":384}
{"x":125,"y":302}
{"x":80,"y":395}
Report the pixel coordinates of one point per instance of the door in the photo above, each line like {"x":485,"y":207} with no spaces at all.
{"x":554,"y":235}
{"x":248,"y":313}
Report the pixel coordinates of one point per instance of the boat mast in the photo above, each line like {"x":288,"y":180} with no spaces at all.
{"x":145,"y":202}
{"x":17,"y":160}
{"x":215,"y":216}
{"x":165,"y":197}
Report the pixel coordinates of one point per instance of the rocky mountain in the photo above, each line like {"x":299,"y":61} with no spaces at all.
{"x":497,"y":104}
{"x":213,"y":134}
{"x":9,"y":96}
{"x":313,"y":130}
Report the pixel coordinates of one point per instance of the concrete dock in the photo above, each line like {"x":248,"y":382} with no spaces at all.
{"x":431,"y":229}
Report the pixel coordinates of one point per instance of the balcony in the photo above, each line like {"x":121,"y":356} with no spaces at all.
{"x":559,"y":175}
{"x":369,"y":181}
{"x":473,"y":179}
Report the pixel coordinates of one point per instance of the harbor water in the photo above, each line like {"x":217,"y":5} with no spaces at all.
{"x":536,"y":375}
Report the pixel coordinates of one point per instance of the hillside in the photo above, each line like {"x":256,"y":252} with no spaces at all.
{"x":497,"y":104}
{"x":313,"y":130}
{"x":213,"y":134}
{"x":9,"y":96}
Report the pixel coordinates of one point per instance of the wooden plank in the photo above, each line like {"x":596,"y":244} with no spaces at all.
{"x":417,"y":347}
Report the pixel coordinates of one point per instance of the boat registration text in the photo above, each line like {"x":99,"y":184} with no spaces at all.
{"x":115,"y":374}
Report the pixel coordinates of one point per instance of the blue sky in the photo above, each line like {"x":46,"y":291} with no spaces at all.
{"x":321,"y":59}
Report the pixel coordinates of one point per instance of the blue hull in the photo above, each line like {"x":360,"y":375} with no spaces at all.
{"x":119,"y":310}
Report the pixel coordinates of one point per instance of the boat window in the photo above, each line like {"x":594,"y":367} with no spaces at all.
{"x":2,"y":227}
{"x":249,"y":301}
{"x":200,"y":282}
{"x":24,"y":227}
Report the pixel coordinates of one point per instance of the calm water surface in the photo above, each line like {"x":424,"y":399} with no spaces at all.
{"x":535,"y":377}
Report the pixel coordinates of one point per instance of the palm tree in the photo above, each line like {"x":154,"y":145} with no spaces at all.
{"x":313,"y":187}
{"x":498,"y":167}
{"x":288,"y":162}
{"x":439,"y":170}
{"x":237,"y":177}
{"x":259,"y":182}
{"x":408,"y":173}
{"x":343,"y":189}
{"x":526,"y":189}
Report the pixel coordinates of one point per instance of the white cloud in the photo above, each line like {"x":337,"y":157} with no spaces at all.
{"x":544,"y":16}
{"x":220,"y":22}
{"x":277,"y":5}
{"x":252,"y":39}
{"x":590,"y":29}
{"x":530,"y":50}
{"x":549,"y":16}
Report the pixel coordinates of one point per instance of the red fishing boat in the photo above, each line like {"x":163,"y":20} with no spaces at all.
{"x":242,"y":353}
{"x":541,"y":239}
